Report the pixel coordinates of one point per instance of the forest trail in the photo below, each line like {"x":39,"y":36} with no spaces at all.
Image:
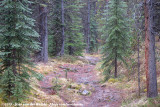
{"x":100,"y":95}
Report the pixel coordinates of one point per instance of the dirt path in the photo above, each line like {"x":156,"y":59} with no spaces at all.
{"x":102,"y":96}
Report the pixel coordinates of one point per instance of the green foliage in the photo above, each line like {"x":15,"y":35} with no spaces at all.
{"x":73,"y":35}
{"x":153,"y":102}
{"x":93,"y":29}
{"x":57,"y":87}
{"x":116,"y":35}
{"x":55,"y":28}
{"x":19,"y":94}
{"x":6,"y":83}
{"x":38,"y":76}
{"x":56,"y":84}
{"x":17,"y":38}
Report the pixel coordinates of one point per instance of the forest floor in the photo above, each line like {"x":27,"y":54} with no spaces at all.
{"x":84,"y":86}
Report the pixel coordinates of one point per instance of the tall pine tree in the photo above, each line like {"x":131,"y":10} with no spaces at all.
{"x":73,"y":44}
{"x":73,"y":26}
{"x":17,"y":42}
{"x":55,"y":28}
{"x":93,"y":28}
{"x":116,"y":36}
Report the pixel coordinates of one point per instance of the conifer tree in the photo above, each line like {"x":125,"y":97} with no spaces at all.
{"x":72,"y":28}
{"x":116,"y":36}
{"x":93,"y":29}
{"x":55,"y":29}
{"x":74,"y":37}
{"x":16,"y":43}
{"x":42,"y":55}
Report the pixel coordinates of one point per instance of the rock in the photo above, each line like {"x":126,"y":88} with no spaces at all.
{"x":104,"y":85}
{"x":85,"y":92}
{"x":89,"y":70}
{"x":68,"y":89}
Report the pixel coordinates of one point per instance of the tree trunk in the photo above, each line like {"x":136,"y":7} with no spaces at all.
{"x":14,"y":65}
{"x":88,"y":28}
{"x":96,"y":33}
{"x":139,"y":88}
{"x":150,"y":60}
{"x":43,"y":31}
{"x":138,"y":46}
{"x":115,"y":73}
{"x":63,"y":36}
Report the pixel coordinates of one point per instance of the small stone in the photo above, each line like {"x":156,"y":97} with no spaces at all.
{"x":85,"y":92}
{"x":69,"y":89}
{"x":103,"y":85}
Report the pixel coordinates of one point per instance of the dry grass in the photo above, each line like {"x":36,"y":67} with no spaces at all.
{"x":38,"y":96}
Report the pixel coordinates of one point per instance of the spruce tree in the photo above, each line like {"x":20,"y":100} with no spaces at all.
{"x":73,"y":26}
{"x":93,"y":28}
{"x":55,"y":29}
{"x":116,"y":36}
{"x":17,"y":41}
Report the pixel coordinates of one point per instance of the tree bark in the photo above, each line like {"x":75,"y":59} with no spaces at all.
{"x":43,"y":31}
{"x":150,"y":60}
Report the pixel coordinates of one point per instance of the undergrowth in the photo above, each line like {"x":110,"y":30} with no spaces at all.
{"x":67,"y":59}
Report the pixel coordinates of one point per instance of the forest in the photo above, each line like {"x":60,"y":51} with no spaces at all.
{"x":79,"y":53}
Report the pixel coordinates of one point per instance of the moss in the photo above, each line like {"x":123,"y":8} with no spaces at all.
{"x":75,"y":86}
{"x":43,"y":5}
{"x":46,"y":73}
{"x":145,"y":90}
{"x":112,"y":80}
{"x":1,"y":101}
{"x":90,"y":93}
{"x":128,"y":85}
